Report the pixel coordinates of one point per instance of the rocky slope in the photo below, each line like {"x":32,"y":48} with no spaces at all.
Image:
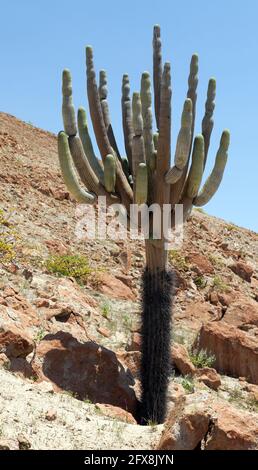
{"x":69,"y":348}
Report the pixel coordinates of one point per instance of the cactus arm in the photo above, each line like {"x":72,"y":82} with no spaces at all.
{"x":212,"y":183}
{"x":138,"y":150}
{"x":68,"y":172}
{"x":103,"y":93}
{"x":95,"y":107}
{"x":196,"y":171}
{"x":68,"y":110}
{"x":110,"y":173}
{"x":122,"y":186}
{"x":147,"y":117}
{"x":207,"y":122}
{"x":162,"y":189}
{"x":150,"y":152}
{"x":157,"y":70}
{"x":87,"y":144}
{"x":85,"y":171}
{"x":127,"y":118}
{"x":141,"y":190}
{"x":177,"y":188}
{"x":183,"y":144}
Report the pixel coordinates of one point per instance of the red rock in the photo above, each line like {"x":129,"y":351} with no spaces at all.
{"x":14,"y":342}
{"x":104,"y":332}
{"x":180,"y":358}
{"x":243,"y":270}
{"x":186,"y":431}
{"x":243,"y":311}
{"x":200,"y":263}
{"x":86,"y":369}
{"x":135,"y":344}
{"x":125,"y":279}
{"x":209,"y":377}
{"x":113,"y":287}
{"x":233,"y":430}
{"x":116,"y":413}
{"x":42,"y":303}
{"x":214,"y":298}
{"x":131,"y":360}
{"x":236,"y":352}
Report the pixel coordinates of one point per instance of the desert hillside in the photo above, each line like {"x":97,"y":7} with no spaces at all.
{"x":70,"y":324}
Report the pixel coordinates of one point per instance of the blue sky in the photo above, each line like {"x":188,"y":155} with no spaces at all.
{"x":40,"y":38}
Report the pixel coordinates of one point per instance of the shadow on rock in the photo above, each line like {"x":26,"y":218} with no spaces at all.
{"x":87,"y":370}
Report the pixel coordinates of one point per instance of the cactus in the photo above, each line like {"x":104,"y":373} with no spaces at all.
{"x":110,"y":173}
{"x":144,"y":176}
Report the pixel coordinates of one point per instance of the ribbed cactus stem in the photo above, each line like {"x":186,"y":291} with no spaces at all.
{"x":87,"y":144}
{"x":207,"y":122}
{"x":157,"y":291}
{"x":141,"y":187}
{"x":196,"y":171}
{"x":177,"y":188}
{"x":183,"y":144}
{"x":147,"y":118}
{"x":163,"y":154}
{"x":157,"y":70}
{"x":110,"y":173}
{"x":137,"y":115}
{"x":68,"y":110}
{"x":103,"y":92}
{"x":95,"y":107}
{"x":138,"y":150}
{"x":68,"y":172}
{"x":156,"y":140}
{"x":211,"y":185}
{"x":127,"y":118}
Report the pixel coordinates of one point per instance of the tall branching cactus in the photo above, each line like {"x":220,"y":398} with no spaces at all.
{"x":144,"y":176}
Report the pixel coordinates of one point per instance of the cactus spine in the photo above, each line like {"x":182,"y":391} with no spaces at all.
{"x":144,"y":176}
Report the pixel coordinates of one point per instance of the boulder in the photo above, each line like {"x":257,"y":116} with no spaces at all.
{"x":86,"y":370}
{"x":236,"y":352}
{"x":113,"y":287}
{"x":209,"y":377}
{"x":14,"y":341}
{"x":186,"y":431}
{"x":243,"y":270}
{"x":201,"y":264}
{"x":233,"y":430}
{"x":116,"y":413}
{"x":180,"y":358}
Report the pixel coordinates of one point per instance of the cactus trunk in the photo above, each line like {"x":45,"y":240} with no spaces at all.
{"x":157,"y":293}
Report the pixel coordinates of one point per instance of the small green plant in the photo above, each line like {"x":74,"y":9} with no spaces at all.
{"x":202,"y":358}
{"x":40,"y":335}
{"x":152,"y":424}
{"x":230,"y":227}
{"x":7,"y":365}
{"x":87,"y":401}
{"x":236,"y":395}
{"x":8,"y":239}
{"x":219,"y":284}
{"x":200,"y":282}
{"x":70,"y":265}
{"x":127,"y":321}
{"x":187,"y":383}
{"x":217,"y":261}
{"x":178,"y":261}
{"x":106,"y":309}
